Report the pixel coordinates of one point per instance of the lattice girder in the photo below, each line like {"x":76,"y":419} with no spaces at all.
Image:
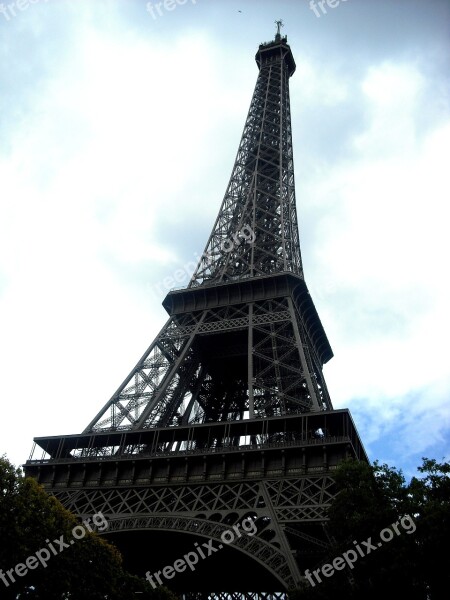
{"x":253,"y":358}
{"x":261,"y":193}
{"x":210,"y":509}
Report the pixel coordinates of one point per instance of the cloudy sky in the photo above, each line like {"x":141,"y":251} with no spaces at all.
{"x":118,"y":131}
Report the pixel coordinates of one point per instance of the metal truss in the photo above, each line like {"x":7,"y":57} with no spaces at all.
{"x":266,"y":554}
{"x":226,"y":363}
{"x":261,"y":195}
{"x":238,"y":360}
{"x":300,"y":499}
{"x":277,"y":507}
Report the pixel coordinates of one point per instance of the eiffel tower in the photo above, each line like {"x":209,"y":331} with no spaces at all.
{"x":226,"y":419}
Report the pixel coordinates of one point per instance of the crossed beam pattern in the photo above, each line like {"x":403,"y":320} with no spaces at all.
{"x":249,"y":359}
{"x":223,"y":364}
{"x":276,"y":506}
{"x":261,"y":192}
{"x":299,"y":499}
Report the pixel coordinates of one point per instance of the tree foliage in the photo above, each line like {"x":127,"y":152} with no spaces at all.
{"x":370,"y":499}
{"x":90,"y":567}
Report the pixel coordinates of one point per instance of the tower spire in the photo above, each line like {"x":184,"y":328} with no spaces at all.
{"x":279,"y":25}
{"x":259,"y":211}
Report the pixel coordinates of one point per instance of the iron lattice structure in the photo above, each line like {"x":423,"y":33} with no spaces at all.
{"x":260,"y":354}
{"x":261,"y":191}
{"x":226,"y":416}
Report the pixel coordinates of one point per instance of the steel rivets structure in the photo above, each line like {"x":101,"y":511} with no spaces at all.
{"x":227,"y":414}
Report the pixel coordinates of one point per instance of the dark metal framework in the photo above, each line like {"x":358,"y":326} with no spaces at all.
{"x":226,"y":416}
{"x":251,"y":348}
{"x":261,"y":191}
{"x":230,"y":350}
{"x":179,"y":479}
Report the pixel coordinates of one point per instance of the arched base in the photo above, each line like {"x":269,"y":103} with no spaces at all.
{"x":223,"y":570}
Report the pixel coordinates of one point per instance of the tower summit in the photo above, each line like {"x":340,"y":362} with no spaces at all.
{"x":243,"y":339}
{"x":261,"y":191}
{"x":227,"y":415}
{"x":279,"y":25}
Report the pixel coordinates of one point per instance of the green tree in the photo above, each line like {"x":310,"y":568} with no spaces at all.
{"x":430,"y":496}
{"x":373,"y":498}
{"x":31,"y":520}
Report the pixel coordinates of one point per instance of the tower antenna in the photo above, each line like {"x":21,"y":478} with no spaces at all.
{"x":279,"y":25}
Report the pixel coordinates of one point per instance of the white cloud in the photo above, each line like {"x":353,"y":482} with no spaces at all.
{"x":319,"y":83}
{"x":383,"y":256}
{"x":130,"y":131}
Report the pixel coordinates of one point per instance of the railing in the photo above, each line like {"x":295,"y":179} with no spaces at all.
{"x":197,"y":451}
